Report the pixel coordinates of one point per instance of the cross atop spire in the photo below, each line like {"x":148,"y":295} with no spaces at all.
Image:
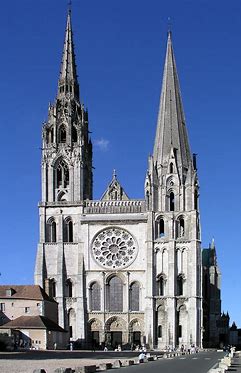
{"x":68,"y":82}
{"x":114,"y":174}
{"x":171,"y":131}
{"x":69,"y":6}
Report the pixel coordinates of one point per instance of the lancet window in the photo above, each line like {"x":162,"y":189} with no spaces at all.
{"x":95,"y":304}
{"x":62,"y":134}
{"x":159,"y":332}
{"x":52,"y":287}
{"x":160,"y":228}
{"x":180,"y":281}
{"x":161,"y":285}
{"x":171,"y":168}
{"x":62,"y":174}
{"x":74,"y":134}
{"x":181,"y":227}
{"x":195,"y":199}
{"x":114,"y":293}
{"x":134,"y":297}
{"x":69,"y":288}
{"x":51,"y":230}
{"x":172,"y":202}
{"x":68,"y":230}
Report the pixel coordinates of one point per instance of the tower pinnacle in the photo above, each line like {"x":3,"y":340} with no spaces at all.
{"x":68,"y":82}
{"x":171,"y":131}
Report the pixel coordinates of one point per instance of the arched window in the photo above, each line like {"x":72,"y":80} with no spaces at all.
{"x":180,"y":285}
{"x":68,"y":230}
{"x":172,"y":201}
{"x":71,"y":321}
{"x":159,"y":332}
{"x":69,"y":289}
{"x":62,"y":174}
{"x":50,"y":136}
{"x":51,"y":230}
{"x":161,"y":228}
{"x":171,"y":168}
{"x":179,"y":331}
{"x":195,"y":199}
{"x":52,"y":288}
{"x":74,"y":134}
{"x":160,"y":286}
{"x":180,"y":227}
{"x":134,"y":297}
{"x":115,"y":295}
{"x":95,"y":297}
{"x":148,"y":199}
{"x":62,"y":134}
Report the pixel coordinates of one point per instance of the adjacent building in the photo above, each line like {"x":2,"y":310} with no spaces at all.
{"x":29,"y":315}
{"x":123,"y":271}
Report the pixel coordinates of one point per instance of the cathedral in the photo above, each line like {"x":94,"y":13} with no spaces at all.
{"x":124,"y":271}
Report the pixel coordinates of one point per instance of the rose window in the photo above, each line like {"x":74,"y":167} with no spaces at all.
{"x":114,"y":248}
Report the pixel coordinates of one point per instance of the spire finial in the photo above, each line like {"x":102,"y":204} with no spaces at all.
{"x":68,"y":81}
{"x":114,"y":173}
{"x":69,"y":6}
{"x":169,"y":26}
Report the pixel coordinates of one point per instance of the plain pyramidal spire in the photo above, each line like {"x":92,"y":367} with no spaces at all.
{"x":171,"y":132}
{"x":68,"y":81}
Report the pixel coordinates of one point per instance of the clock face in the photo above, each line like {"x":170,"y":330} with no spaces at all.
{"x":114,"y":248}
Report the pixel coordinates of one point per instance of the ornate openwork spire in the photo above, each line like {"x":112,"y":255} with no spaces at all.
{"x":171,"y":131}
{"x":68,"y":82}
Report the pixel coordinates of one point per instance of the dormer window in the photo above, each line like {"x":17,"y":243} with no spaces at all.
{"x":9,"y":292}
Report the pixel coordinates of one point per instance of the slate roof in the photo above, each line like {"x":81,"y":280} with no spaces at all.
{"x":32,"y":322}
{"x":34,"y":292}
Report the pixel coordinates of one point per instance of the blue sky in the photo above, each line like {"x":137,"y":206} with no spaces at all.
{"x":120,"y":49}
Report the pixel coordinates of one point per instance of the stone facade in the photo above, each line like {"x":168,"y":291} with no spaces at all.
{"x":123,"y":271}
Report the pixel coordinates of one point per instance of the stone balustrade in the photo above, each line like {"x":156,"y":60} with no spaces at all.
{"x":114,"y":207}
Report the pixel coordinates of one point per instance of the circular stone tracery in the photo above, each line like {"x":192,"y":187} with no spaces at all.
{"x":114,"y":248}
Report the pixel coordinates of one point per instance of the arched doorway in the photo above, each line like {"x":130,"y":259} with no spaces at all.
{"x":135,"y":329}
{"x":115,"y":332}
{"x":95,"y":329}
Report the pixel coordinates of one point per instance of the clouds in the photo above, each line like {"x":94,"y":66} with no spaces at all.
{"x":102,"y":144}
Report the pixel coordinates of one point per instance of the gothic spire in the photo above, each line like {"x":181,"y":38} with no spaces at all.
{"x":171,"y":132}
{"x":68,"y":82}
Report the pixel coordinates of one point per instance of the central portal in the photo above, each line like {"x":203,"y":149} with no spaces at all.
{"x":116,"y":334}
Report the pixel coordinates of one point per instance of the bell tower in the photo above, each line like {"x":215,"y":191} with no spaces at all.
{"x":66,"y":184}
{"x":172,"y":190}
{"x":67,"y":149}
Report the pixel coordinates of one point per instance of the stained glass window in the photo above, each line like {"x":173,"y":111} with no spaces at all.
{"x":95,"y":297}
{"x":134,"y":297}
{"x":115,"y":295}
